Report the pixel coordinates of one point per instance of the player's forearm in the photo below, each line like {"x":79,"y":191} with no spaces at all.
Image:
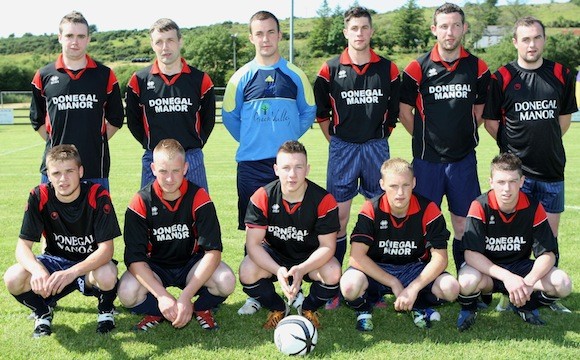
{"x":541,"y":268}
{"x":492,"y":127}
{"x":111,"y":130}
{"x":481,"y":263}
{"x":370,"y":268}
{"x":325,"y":128}
{"x":143,"y":273}
{"x":565,"y":121}
{"x":26,"y":257}
{"x":317,"y":259}
{"x":42,"y":132}
{"x":203,"y":272}
{"x":102,"y":256}
{"x":406,"y":117}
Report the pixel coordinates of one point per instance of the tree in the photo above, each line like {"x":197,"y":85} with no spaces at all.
{"x":479,"y":17}
{"x":327,"y":31}
{"x":409,"y":26}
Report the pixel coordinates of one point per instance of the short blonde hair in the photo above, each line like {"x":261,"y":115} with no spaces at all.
{"x":170,"y":147}
{"x":397,"y":166}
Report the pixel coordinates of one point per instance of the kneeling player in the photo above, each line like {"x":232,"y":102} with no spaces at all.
{"x":79,"y":224}
{"x":291,"y":227}
{"x":173,"y":238}
{"x":398,"y":246}
{"x":503,"y":227}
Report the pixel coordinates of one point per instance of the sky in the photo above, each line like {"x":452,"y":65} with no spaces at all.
{"x":40,"y":17}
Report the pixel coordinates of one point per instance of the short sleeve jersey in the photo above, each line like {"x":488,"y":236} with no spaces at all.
{"x":393,"y":240}
{"x":73,"y":106}
{"x":292,"y":229}
{"x":362,"y":102}
{"x":443,"y":95}
{"x":505,"y":238}
{"x":72,"y":230}
{"x":264,"y":106}
{"x":180,"y":107}
{"x":528,"y":103}
{"x":169,"y":233}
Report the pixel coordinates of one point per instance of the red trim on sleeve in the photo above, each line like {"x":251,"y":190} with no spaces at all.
{"x":134,"y":85}
{"x":137,"y":205}
{"x":476,"y":210}
{"x":506,"y":77}
{"x":112,"y":81}
{"x":200,"y":199}
{"x":93,"y":195}
{"x":260,"y":200}
{"x":37,"y":81}
{"x":327,"y":204}
{"x":206,"y":84}
{"x":481,"y":68}
{"x":540,"y":216}
{"x":368,"y":210}
{"x":559,"y":73}
{"x":324,"y":72}
{"x":414,"y":71}
{"x":394,"y":72}
{"x":43,"y":192}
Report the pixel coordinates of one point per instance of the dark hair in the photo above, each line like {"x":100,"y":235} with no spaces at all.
{"x":527,"y":21}
{"x":448,"y":8}
{"x":506,"y":162}
{"x":163,"y":25}
{"x":64,"y":152}
{"x":73,"y":17}
{"x":292,"y":147}
{"x":264,"y":15}
{"x":357,"y":12}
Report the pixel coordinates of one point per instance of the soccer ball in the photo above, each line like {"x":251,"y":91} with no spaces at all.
{"x":295,"y":335}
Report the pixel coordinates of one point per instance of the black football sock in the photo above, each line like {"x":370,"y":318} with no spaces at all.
{"x":468,"y":302}
{"x":263,"y":290}
{"x":360,"y":304}
{"x":34,"y":302}
{"x":537,"y":299}
{"x":487,"y":298}
{"x":458,"y":253}
{"x":106,"y":299}
{"x":340,"y":250}
{"x":319,"y":295}
{"x":207,"y":300}
{"x":149,"y":306}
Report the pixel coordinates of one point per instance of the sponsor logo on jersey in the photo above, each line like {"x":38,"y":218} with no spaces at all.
{"x":384,"y":224}
{"x":272,"y":115}
{"x":364,"y":96}
{"x":451,"y":91}
{"x":287,"y":233}
{"x":75,"y":101}
{"x":504,"y":243}
{"x":342,"y":74}
{"x":54,"y":80}
{"x":536,"y":109}
{"x":397,"y":248}
{"x":150,"y":85}
{"x":171,"y":104}
{"x":275,"y":208}
{"x":173,"y":232}
{"x":75,"y":244}
{"x":431,"y":72}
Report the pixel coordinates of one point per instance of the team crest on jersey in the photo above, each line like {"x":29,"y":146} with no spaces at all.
{"x":54,"y":80}
{"x":492,"y":220}
{"x":150,"y":85}
{"x":154,"y":211}
{"x":384,"y":224}
{"x":275,"y":208}
{"x":431,"y":72}
{"x":342,"y":74}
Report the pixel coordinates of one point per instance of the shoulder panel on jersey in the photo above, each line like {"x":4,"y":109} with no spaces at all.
{"x":506,"y":76}
{"x":93,"y":195}
{"x":112,"y":81}
{"x":414,"y":71}
{"x":432,"y":212}
{"x":540,"y":216}
{"x":260,"y":200}
{"x":559,"y":73}
{"x":394,"y":72}
{"x":206,"y":84}
{"x":324,"y":72}
{"x":368,"y":209}
{"x":482,"y":67}
{"x":476,"y":211}
{"x":200,"y":199}
{"x":134,"y":84}
{"x":37,"y":80}
{"x":327,"y":204}
{"x":137,"y":205}
{"x":43,"y":196}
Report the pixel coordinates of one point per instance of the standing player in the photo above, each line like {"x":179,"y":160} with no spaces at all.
{"x":79,"y":223}
{"x":528,"y":111}
{"x":504,"y":227}
{"x":357,"y":99}
{"x":77,"y":100}
{"x":267,"y":102}
{"x":291,"y":227}
{"x":171,"y":100}
{"x":173,"y":238}
{"x":398,"y":246}
{"x":442,"y":99}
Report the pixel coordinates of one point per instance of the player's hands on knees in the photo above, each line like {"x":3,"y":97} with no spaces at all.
{"x":518,"y":290}
{"x":184,"y":313}
{"x":284,"y":280}
{"x":58,"y":280}
{"x":405,"y":300}
{"x":39,"y":283}
{"x":168,"y":307}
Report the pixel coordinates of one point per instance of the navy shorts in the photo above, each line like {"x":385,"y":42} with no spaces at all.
{"x":251,"y":176}
{"x":405,"y":273}
{"x":195,"y":169}
{"x":550,"y":194}
{"x":175,"y":276}
{"x":103,"y":181}
{"x":457,"y":180}
{"x":520,"y":267}
{"x":355,"y":168}
{"x":56,"y":263}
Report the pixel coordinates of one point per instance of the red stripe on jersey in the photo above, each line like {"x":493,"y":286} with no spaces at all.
{"x":37,"y":82}
{"x":559,"y":73}
{"x":93,"y":195}
{"x":432,"y":213}
{"x":394,"y":72}
{"x":137,"y":205}
{"x":134,"y":85}
{"x":112,"y":82}
{"x":540,"y":216}
{"x":206,"y":84}
{"x":481,"y":68}
{"x":506,"y":77}
{"x":414,"y":71}
{"x":260,"y":200}
{"x":43,"y":192}
{"x":291,"y":210}
{"x":368,"y":209}
{"x":200,"y":199}
{"x":476,"y":211}
{"x":324,"y":72}
{"x":327,"y":204}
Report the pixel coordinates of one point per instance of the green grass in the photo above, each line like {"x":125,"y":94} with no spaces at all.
{"x":495,"y":336}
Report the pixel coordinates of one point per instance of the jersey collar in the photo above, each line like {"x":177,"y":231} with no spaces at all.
{"x":523,"y":201}
{"x":60,"y":62}
{"x":346,"y":60}
{"x":413,"y":205}
{"x":435,"y":57}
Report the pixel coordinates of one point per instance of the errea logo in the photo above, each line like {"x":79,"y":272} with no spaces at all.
{"x":275,"y":209}
{"x":54,"y":80}
{"x":431,"y":72}
{"x":342,"y":74}
{"x":154,"y":211}
{"x":384,"y":224}
{"x":491,"y":220}
{"x":150,"y":85}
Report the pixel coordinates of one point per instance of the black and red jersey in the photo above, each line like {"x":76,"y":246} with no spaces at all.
{"x":292,"y":229}
{"x":444,"y":95}
{"x":72,"y":230}
{"x":73,"y":105}
{"x":169,"y":233}
{"x":528,"y":103}
{"x":505,"y":238}
{"x":180,"y":107}
{"x":362,"y":102}
{"x":393,"y":240}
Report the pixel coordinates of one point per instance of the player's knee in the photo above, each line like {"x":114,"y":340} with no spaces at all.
{"x":350,"y":288}
{"x":449,"y":287}
{"x":562,"y":283}
{"x":225,"y":282}
{"x":106,"y":276}
{"x":468,"y":280}
{"x":15,"y":279}
{"x":128,"y":290}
